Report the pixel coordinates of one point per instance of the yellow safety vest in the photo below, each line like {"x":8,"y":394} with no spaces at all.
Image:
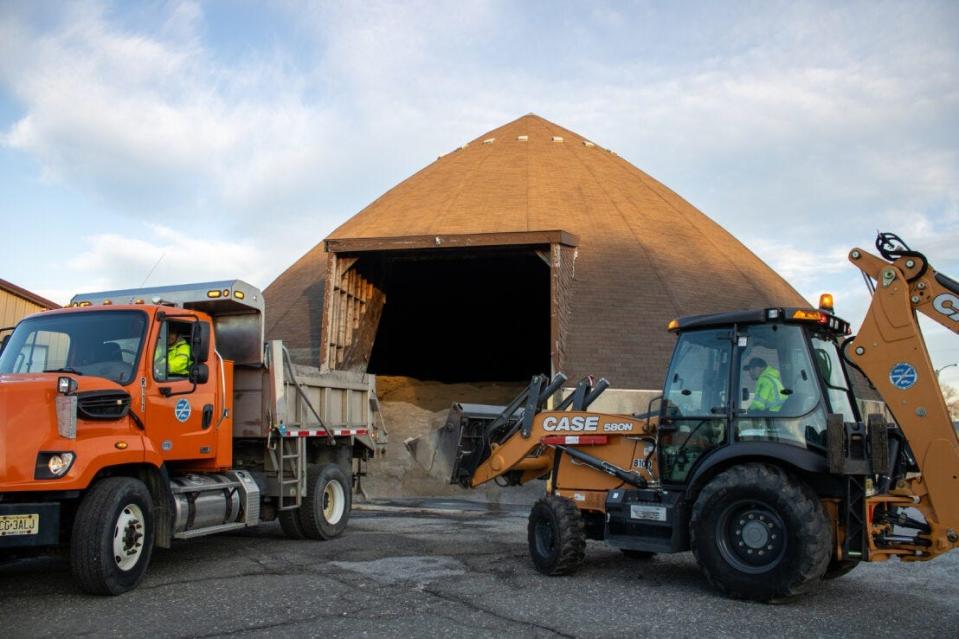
{"x":769,"y":392}
{"x":178,"y":358}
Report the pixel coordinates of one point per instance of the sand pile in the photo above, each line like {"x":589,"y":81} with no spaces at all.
{"x":412,"y":408}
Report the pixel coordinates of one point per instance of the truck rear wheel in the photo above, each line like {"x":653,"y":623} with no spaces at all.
{"x":557,"y":537}
{"x":759,"y":534}
{"x":326,"y":511}
{"x":112,"y":537}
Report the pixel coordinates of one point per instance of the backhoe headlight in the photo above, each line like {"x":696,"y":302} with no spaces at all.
{"x":53,"y":465}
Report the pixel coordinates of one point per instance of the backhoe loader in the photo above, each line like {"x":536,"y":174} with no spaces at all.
{"x":756,"y":456}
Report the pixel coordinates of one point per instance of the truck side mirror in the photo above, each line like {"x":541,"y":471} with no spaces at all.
{"x":200,"y":342}
{"x":199,"y":373}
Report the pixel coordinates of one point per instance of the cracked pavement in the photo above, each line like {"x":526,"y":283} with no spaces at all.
{"x":453,"y":569}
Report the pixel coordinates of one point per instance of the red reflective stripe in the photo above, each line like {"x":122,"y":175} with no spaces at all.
{"x":582,"y":440}
{"x":343,"y":432}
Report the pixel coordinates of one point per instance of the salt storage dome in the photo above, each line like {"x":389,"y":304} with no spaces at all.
{"x":530,"y":249}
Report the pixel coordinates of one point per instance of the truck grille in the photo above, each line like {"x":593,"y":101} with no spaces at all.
{"x":103,"y":404}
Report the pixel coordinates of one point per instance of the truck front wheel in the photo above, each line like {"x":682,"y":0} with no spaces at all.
{"x":112,"y":538}
{"x":760,"y":534}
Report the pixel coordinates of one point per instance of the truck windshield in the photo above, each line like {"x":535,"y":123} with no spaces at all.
{"x":103,"y":344}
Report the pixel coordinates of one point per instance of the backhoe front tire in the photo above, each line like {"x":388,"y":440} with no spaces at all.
{"x":758,"y":533}
{"x":112,"y":539}
{"x":557,"y":536}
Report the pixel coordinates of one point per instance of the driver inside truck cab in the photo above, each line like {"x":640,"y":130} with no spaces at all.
{"x":175,"y":359}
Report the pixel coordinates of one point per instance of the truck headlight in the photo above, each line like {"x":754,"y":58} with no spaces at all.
{"x":53,"y":465}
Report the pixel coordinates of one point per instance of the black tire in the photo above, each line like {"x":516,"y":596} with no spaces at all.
{"x":290,"y":523}
{"x":837,"y":569}
{"x":760,"y":534}
{"x":637,"y":554}
{"x":557,"y":537}
{"x":115,"y":516}
{"x":326,"y":511}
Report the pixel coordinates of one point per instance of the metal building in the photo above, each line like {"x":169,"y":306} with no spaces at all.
{"x":529,"y":249}
{"x":16,"y":303}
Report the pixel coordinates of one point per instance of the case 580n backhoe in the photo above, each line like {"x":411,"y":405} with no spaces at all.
{"x":771,"y":490}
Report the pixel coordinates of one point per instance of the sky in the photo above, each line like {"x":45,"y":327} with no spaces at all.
{"x":167,"y":142}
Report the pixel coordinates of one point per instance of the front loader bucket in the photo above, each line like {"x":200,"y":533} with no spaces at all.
{"x":453,"y":452}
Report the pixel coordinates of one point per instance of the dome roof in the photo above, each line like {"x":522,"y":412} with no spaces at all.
{"x":644,"y":254}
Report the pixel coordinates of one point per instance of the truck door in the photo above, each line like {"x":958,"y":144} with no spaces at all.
{"x":179,"y":416}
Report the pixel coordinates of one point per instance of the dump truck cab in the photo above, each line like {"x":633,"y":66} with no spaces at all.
{"x":136,"y":417}
{"x":758,"y":383}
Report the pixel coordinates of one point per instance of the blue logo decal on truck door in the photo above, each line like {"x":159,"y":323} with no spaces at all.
{"x":182,"y":410}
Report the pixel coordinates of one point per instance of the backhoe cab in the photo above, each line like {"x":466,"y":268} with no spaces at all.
{"x":755,"y":457}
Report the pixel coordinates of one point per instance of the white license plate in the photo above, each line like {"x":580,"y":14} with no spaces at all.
{"x":649,"y":513}
{"x":19,"y":525}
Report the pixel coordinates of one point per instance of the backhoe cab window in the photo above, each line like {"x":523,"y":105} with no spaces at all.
{"x":699,"y":374}
{"x":834,"y":377}
{"x":171,"y":356}
{"x":778,"y":397}
{"x":92,"y":343}
{"x":697,"y":399}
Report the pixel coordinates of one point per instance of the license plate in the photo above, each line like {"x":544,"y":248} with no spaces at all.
{"x":19,"y":525}
{"x":649,"y":513}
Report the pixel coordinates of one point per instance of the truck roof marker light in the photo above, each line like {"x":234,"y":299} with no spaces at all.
{"x":138,"y":301}
{"x":826,"y":302}
{"x":106,"y":302}
{"x":806,"y":315}
{"x":214,"y":293}
{"x":226,"y":292}
{"x":84,"y":304}
{"x":673,"y":325}
{"x":239,"y":295}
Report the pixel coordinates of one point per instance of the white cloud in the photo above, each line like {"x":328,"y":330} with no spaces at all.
{"x":796,"y":127}
{"x":159,"y":256}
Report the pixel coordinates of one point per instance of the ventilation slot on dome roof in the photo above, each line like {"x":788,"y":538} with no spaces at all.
{"x":557,"y":138}
{"x":489,"y":140}
{"x":522,"y":138}
{"x":588,"y":143}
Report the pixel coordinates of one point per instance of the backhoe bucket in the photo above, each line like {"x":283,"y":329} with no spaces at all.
{"x":455,"y":450}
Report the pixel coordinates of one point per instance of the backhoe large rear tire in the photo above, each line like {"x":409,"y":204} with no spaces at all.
{"x":112,"y":538}
{"x":557,"y":537}
{"x":758,"y":533}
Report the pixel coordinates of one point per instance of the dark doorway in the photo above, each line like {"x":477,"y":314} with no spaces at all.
{"x":461,"y":315}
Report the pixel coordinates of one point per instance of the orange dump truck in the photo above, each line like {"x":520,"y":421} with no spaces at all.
{"x":134,"y":418}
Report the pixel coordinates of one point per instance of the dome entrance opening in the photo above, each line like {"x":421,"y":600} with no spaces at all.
{"x":452,"y":308}
{"x":461,"y":316}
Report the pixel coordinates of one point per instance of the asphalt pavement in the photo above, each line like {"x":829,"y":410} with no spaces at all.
{"x":455,"y":569}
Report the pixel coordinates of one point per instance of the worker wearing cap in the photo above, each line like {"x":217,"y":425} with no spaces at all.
{"x":769,"y":395}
